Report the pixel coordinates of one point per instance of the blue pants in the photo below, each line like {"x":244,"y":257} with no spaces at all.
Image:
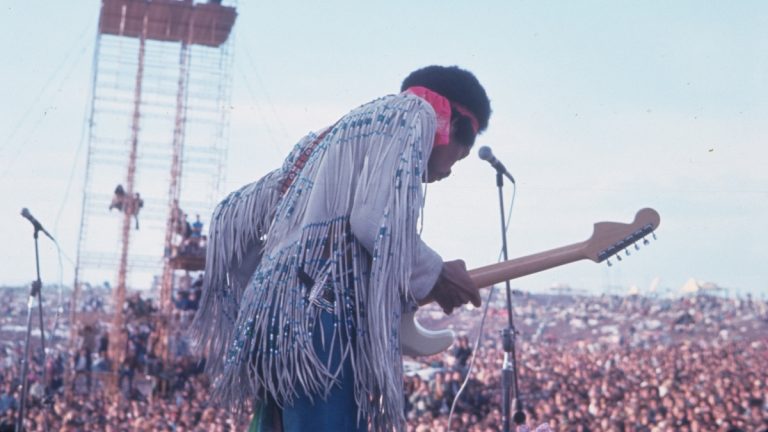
{"x":336,"y":413}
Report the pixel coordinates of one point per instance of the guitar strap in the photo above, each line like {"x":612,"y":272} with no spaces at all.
{"x":293,"y":173}
{"x":302,"y":160}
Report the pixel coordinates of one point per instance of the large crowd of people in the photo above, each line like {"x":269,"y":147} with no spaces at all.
{"x":605,"y":363}
{"x":149,"y":395}
{"x":608,"y":363}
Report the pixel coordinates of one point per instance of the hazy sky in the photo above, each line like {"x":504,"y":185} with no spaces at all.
{"x":599,"y":109}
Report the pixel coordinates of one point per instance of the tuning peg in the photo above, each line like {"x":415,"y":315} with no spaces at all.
{"x":618,"y":257}
{"x":610,"y":264}
{"x":637,"y":247}
{"x":626,"y":251}
{"x":645,"y":241}
{"x":654,"y":236}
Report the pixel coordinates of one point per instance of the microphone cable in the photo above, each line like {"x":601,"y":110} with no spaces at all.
{"x":488,"y":299}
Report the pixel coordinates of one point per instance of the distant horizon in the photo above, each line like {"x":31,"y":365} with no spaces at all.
{"x":717,"y":291}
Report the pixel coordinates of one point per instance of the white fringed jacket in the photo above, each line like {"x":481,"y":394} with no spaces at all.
{"x":349,"y":221}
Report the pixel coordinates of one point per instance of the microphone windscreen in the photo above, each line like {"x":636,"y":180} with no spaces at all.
{"x":485,"y":153}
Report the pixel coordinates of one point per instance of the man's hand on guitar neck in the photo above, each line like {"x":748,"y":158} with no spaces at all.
{"x":453,"y":288}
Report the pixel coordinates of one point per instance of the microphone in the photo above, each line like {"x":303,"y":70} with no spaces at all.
{"x":38,"y":226}
{"x":486,"y":154}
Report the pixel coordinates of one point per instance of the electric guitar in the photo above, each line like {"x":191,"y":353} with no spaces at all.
{"x":608,"y":239}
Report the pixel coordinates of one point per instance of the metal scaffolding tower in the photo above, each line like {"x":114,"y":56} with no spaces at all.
{"x":158,"y":127}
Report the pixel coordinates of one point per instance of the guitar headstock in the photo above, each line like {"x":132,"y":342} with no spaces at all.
{"x":612,"y":238}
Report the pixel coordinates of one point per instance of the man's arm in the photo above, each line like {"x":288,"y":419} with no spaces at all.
{"x":430,"y":279}
{"x":367,"y":213}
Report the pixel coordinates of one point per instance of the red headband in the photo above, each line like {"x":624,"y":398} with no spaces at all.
{"x":442,"y":107}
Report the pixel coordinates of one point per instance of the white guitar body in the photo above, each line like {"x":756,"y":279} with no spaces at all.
{"x":607,"y":240}
{"x":416,"y":340}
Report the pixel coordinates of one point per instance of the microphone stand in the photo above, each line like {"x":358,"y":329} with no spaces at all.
{"x":509,"y":386}
{"x":35,"y":293}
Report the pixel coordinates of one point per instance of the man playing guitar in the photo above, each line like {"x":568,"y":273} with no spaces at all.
{"x":308,"y":269}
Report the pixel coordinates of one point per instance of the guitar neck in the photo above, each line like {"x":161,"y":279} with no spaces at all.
{"x":495,"y":273}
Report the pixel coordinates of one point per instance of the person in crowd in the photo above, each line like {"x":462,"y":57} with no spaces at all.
{"x":182,"y":300}
{"x":136,"y":205}
{"x":131,"y":205}
{"x":128,"y":370}
{"x":104,"y":345}
{"x":88,"y":334}
{"x":197,"y":230}
{"x":462,"y":353}
{"x":8,"y":399}
{"x":118,"y":198}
